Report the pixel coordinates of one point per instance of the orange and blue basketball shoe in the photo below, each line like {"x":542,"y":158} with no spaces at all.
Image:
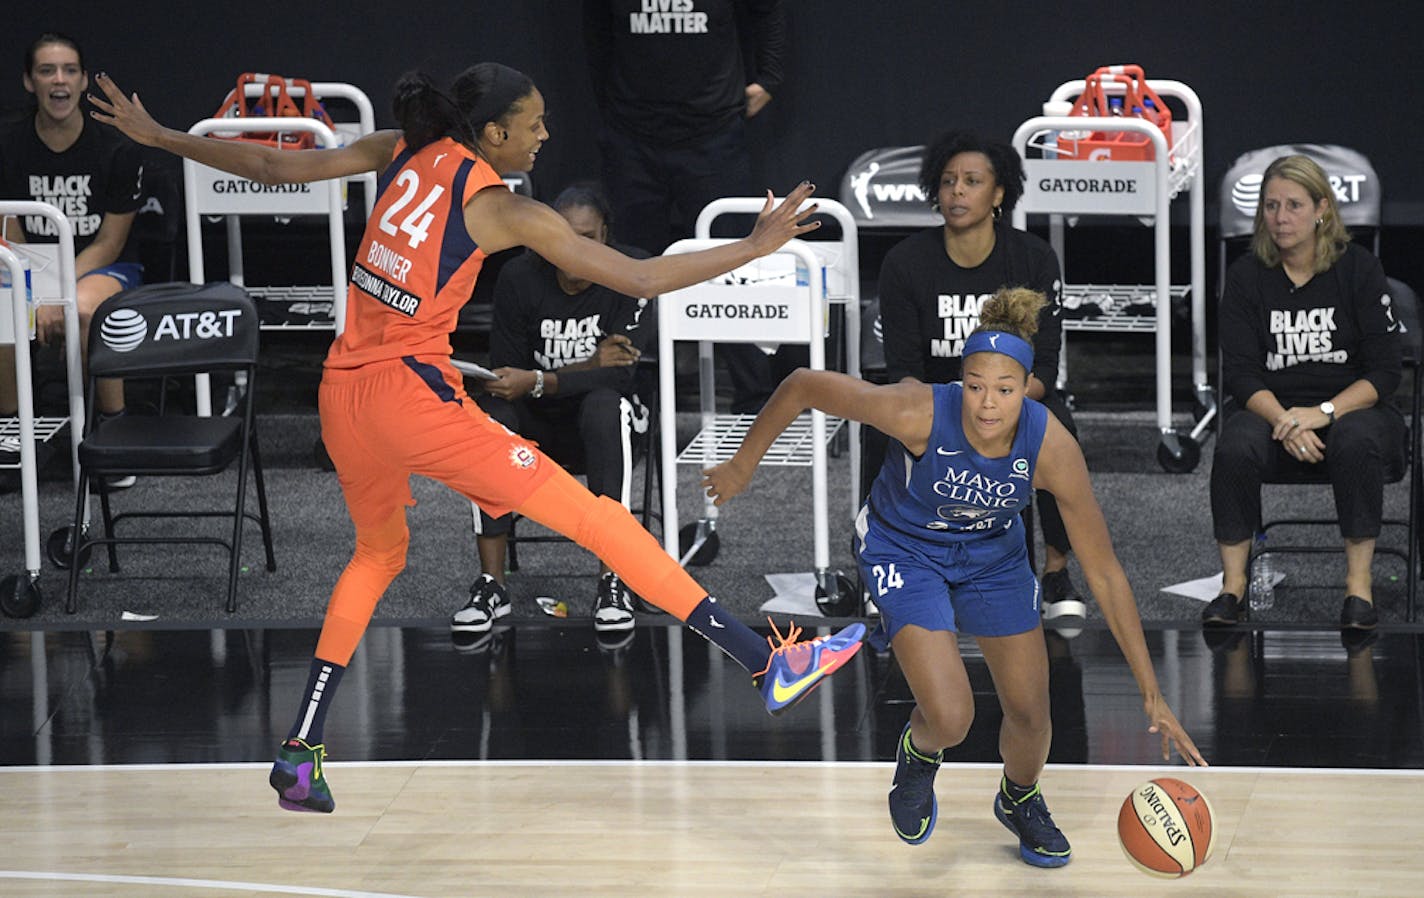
{"x":298,"y":778}
{"x":913,"y":806}
{"x":796,"y":668}
{"x":1040,"y":842}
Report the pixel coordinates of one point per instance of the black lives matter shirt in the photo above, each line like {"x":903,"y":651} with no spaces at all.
{"x":102,"y":172}
{"x":538,"y":325}
{"x":1305,"y":344}
{"x":672,"y":71}
{"x":929,"y":305}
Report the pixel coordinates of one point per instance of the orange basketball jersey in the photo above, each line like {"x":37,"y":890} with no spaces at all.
{"x":417,"y":264}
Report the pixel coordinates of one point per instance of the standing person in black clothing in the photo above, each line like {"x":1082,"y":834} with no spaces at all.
{"x":565,"y":350}
{"x":933,"y":284}
{"x":675,"y":89}
{"x":1310,"y":352}
{"x":91,"y":173}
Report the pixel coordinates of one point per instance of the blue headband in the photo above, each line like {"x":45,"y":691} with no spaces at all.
{"x":1015,"y":347}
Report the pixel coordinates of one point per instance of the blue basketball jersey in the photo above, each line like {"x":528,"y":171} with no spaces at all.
{"x":952,"y":493}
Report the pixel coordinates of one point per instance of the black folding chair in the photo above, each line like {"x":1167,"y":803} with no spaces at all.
{"x":159,"y":333}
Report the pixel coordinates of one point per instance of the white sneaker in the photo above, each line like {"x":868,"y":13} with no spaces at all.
{"x":613,"y":610}
{"x":489,"y":601}
{"x":1060,"y":597}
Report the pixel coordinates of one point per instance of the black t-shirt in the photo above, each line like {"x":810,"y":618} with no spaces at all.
{"x":102,"y":172}
{"x":538,"y":325}
{"x":677,"y":73}
{"x":1305,"y":344}
{"x":929,"y":305}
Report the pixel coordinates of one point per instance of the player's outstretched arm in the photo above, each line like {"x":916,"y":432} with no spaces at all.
{"x":904,"y":411}
{"x":498,"y":219}
{"x":266,"y":165}
{"x":1062,"y":471}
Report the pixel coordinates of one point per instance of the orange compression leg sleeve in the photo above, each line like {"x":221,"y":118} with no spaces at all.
{"x":609,"y":531}
{"x":379,"y":556}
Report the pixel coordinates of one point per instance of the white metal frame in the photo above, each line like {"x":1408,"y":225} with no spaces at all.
{"x":1174,"y":168}
{"x":27,"y":427}
{"x":803,"y":444}
{"x":842,"y":289}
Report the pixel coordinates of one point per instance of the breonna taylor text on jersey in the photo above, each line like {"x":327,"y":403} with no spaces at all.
{"x":951,"y":492}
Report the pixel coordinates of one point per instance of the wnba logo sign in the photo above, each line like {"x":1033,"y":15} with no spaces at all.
{"x":124,"y":330}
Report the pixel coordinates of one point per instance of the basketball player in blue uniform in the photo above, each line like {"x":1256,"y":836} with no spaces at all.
{"x":941,"y":546}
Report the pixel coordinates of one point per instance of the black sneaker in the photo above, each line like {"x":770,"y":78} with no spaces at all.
{"x":613,"y":609}
{"x":1040,"y":842}
{"x":489,"y":601}
{"x":1223,"y":610}
{"x":913,"y":806}
{"x":1357,"y":614}
{"x":1356,"y":641}
{"x":1060,"y":597}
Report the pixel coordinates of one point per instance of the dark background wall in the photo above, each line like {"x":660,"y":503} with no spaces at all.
{"x":859,"y":75}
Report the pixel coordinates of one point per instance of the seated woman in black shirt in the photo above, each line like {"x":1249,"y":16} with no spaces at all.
{"x":933,"y":283}
{"x":91,"y":173}
{"x":1310,"y":352}
{"x":565,"y":351}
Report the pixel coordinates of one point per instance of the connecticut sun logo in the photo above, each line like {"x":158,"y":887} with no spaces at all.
{"x":522,"y":456}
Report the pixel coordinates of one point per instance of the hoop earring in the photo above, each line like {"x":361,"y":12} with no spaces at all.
{"x":1319,"y":222}
{"x":998,"y":213}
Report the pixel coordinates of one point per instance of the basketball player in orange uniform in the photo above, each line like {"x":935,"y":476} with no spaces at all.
{"x":392,"y":405}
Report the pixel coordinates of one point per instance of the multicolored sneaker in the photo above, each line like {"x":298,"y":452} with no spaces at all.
{"x":913,"y":806}
{"x":1040,"y":842}
{"x":796,"y":668}
{"x":298,"y":779}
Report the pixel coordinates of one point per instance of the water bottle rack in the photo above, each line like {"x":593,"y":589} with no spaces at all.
{"x":209,"y":192}
{"x":20,"y":593}
{"x":1141,"y":189}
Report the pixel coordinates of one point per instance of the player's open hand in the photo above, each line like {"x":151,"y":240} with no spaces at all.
{"x":125,"y":113}
{"x":1163,"y":721}
{"x":726,"y":480}
{"x":779,"y":222}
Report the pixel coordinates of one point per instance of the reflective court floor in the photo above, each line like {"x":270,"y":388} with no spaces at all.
{"x":538,"y":763}
{"x":1291,"y":698}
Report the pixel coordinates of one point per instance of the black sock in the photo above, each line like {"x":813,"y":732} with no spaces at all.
{"x":1014,"y":791}
{"x":321,"y":688}
{"x":719,"y":627}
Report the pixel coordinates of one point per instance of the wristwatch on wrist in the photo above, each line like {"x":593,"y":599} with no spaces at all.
{"x":539,"y":385}
{"x":1328,"y":408}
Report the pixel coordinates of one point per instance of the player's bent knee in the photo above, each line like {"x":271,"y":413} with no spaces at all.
{"x":948,"y":727}
{"x":597,"y":523}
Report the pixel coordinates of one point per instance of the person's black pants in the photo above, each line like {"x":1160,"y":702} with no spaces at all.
{"x":591,"y":432}
{"x":1049,"y":520}
{"x":657,"y":192}
{"x":1360,"y":449}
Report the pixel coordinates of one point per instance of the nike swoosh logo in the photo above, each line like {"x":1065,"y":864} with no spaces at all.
{"x":438,"y":158}
{"x":781,"y":691}
{"x":949,"y":451}
{"x":713,"y":621}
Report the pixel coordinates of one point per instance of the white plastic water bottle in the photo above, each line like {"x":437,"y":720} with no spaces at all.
{"x":1263,"y":578}
{"x":1051,"y":145}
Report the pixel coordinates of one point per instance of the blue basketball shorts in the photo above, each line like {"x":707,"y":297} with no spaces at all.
{"x":128,"y":274}
{"x":981,"y":587}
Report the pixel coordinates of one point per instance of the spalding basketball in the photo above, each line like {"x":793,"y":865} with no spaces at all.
{"x":1166,"y":827}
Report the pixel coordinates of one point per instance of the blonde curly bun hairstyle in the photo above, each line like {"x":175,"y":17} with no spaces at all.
{"x":1013,"y":310}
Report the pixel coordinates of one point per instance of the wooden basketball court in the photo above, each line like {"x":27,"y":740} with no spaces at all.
{"x":672,"y":829}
